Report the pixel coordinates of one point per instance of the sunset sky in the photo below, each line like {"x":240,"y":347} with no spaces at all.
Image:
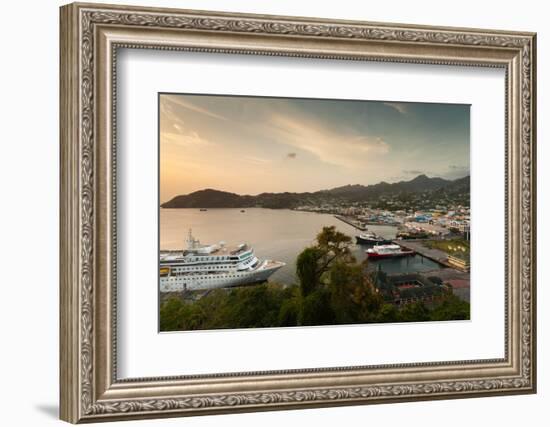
{"x":251,"y":145}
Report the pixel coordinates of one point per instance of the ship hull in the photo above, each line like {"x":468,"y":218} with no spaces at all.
{"x":392,"y":255}
{"x":215,"y":281}
{"x":364,"y":241}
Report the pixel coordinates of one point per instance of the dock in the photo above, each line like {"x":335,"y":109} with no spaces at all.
{"x":435,"y":255}
{"x":354,"y":223}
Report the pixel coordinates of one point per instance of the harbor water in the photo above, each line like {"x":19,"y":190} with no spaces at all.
{"x":278,"y":234}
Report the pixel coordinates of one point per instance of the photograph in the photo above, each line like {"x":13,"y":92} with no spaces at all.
{"x":282,"y":212}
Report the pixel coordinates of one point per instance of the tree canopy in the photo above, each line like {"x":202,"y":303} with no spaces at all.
{"x":333,"y":289}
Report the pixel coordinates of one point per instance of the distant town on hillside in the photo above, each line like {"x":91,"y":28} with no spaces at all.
{"x":421,"y":192}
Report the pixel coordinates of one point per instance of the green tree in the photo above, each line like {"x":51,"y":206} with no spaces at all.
{"x":345,"y":284}
{"x":388,"y":314}
{"x":308,"y":269}
{"x":290,"y":307}
{"x":177,"y":315}
{"x":414,"y":312}
{"x":316,"y":309}
{"x":170,"y":314}
{"x":250,"y":307}
{"x":368,"y":300}
{"x":334,"y":244}
{"x":315,"y":261}
{"x":451,"y":308}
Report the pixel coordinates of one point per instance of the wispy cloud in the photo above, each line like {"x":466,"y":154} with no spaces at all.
{"x":184,"y":139}
{"x":173,"y":128}
{"x":450,"y":172}
{"x":370,"y":145}
{"x":397,"y":106}
{"x":456,"y":171}
{"x":256,"y":160}
{"x":329,"y":146}
{"x":168,"y":117}
{"x":180,"y":102}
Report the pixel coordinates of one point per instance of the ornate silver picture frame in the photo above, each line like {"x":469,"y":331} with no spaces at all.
{"x":91,"y":36}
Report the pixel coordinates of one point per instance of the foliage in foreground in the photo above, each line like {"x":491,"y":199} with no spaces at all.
{"x":333,"y":290}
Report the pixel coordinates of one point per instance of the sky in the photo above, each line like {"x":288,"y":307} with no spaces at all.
{"x":251,"y":145}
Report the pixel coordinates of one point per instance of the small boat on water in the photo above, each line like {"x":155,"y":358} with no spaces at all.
{"x":370,"y":238}
{"x":388,"y":251}
{"x":203,"y":209}
{"x":242,"y":211}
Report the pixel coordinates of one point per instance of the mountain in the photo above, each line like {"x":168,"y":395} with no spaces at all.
{"x":222,"y":199}
{"x":461,"y":184}
{"x":361,"y":192}
{"x":422,"y":183}
{"x":211,"y":198}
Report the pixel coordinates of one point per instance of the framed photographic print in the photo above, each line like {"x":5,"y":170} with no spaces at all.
{"x":264,"y":212}
{"x":336,"y":253}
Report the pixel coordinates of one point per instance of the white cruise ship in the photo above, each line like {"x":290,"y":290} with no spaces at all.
{"x":212,"y":266}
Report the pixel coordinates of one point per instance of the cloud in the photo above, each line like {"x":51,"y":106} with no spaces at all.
{"x":169,"y":118}
{"x":256,"y":160}
{"x":173,"y":129}
{"x":451,"y":172}
{"x":457,"y":171}
{"x":187,"y":139}
{"x":398,"y":106}
{"x":291,"y":155}
{"x":372,"y":145}
{"x":329,"y":145}
{"x":180,"y":102}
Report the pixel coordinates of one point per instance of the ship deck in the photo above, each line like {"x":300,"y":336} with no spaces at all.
{"x":175,"y":254}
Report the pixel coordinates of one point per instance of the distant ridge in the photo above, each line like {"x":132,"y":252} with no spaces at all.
{"x":211,"y":198}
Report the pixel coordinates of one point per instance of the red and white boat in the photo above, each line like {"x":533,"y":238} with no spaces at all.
{"x":388,"y":251}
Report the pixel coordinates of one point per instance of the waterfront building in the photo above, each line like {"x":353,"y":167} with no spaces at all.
{"x":403,"y":289}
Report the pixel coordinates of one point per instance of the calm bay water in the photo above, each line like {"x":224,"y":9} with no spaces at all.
{"x":278,"y":234}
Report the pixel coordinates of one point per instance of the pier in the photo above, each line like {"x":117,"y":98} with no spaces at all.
{"x":435,"y":255}
{"x":354,"y":223}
